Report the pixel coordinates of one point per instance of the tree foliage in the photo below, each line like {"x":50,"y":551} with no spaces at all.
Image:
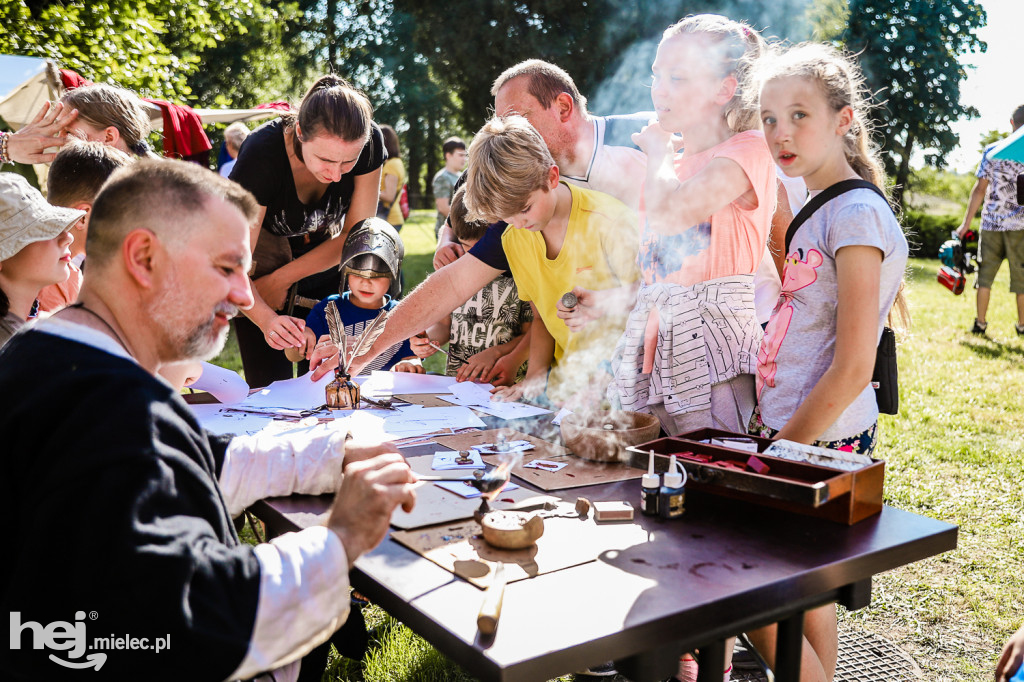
{"x":150,"y":46}
{"x":909,"y":51}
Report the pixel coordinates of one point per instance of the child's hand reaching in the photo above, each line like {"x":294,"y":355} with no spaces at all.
{"x":583,"y":313}
{"x":421,"y":347}
{"x":1012,"y":657}
{"x":324,"y":357}
{"x":504,"y":371}
{"x":655,"y":140}
{"x":528,"y":389}
{"x":478,"y":366}
{"x":410,"y":366}
{"x":285,"y":332}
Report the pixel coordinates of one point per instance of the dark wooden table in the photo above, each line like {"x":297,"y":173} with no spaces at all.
{"x":724,"y":568}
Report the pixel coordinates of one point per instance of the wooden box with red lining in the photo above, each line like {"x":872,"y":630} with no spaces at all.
{"x":804,"y":488}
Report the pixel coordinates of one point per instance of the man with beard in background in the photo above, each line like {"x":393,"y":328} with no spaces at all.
{"x":593,"y":152}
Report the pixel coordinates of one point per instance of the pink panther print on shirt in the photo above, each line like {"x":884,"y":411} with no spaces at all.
{"x":796,"y":274}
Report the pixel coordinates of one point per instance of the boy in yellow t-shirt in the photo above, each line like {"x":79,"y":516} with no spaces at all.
{"x":560,"y":238}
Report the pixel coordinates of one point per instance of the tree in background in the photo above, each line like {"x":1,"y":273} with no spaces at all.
{"x":909,"y":51}
{"x":150,"y":46}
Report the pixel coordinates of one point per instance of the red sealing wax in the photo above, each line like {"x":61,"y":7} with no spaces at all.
{"x":729,"y":464}
{"x":757,"y":465}
{"x":704,"y":459}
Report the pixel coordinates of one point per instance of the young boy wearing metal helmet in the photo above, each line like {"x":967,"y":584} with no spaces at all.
{"x":370,"y":267}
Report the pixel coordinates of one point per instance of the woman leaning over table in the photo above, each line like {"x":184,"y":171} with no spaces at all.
{"x":314,"y":174}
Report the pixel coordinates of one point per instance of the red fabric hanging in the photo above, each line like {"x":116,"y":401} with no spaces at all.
{"x":71,"y":80}
{"x":183,"y":130}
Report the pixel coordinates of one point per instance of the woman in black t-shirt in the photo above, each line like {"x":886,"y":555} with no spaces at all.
{"x":314,"y":174}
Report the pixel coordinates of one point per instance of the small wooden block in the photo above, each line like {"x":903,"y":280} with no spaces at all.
{"x":729,"y":464}
{"x":757,"y":465}
{"x":613,"y":511}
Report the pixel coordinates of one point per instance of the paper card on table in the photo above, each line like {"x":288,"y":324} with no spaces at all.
{"x":222,"y":419}
{"x":471,"y":393}
{"x":299,"y":393}
{"x":500,"y":448}
{"x":445,"y":460}
{"x":545,"y":465}
{"x":577,"y":472}
{"x":510,"y":410}
{"x":223,"y":384}
{"x":469,"y":492}
{"x":385,"y":384}
{"x":562,"y":414}
{"x":217,"y":421}
{"x":478,"y":396}
{"x":422,"y":399}
{"x":427,"y":419}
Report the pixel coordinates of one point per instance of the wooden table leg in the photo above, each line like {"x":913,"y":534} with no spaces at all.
{"x":788,"y":648}
{"x":711,"y":662}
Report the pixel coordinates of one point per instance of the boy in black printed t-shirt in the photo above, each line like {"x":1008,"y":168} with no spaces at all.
{"x":486,"y":334}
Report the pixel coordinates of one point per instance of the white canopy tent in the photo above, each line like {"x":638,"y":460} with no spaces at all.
{"x":26,"y":83}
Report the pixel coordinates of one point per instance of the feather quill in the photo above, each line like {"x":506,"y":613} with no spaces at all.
{"x":369,"y":335}
{"x":336,"y":329}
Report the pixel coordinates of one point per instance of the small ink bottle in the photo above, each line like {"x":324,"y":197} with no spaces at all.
{"x":650,"y":484}
{"x":672,"y":496}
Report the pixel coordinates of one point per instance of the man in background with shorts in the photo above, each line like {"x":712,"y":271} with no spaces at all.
{"x":1002,"y":228}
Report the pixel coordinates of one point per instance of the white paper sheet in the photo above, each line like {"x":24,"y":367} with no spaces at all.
{"x":478,"y":396}
{"x":225,"y":385}
{"x":562,"y":414}
{"x":471,"y":393}
{"x":212,"y":418}
{"x":427,"y":419}
{"x":386,"y":384}
{"x":387,"y":425}
{"x":221,"y":419}
{"x":298,"y":393}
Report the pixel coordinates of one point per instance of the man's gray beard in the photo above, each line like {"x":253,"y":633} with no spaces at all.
{"x":202,"y":344}
{"x":197,"y":343}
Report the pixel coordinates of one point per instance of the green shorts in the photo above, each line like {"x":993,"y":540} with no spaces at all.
{"x":993,"y":248}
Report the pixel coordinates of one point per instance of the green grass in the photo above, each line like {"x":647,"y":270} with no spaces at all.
{"x":955,"y":453}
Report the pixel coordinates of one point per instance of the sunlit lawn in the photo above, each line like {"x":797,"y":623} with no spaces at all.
{"x":955,"y":452}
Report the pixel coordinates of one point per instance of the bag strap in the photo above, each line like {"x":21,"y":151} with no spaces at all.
{"x":826,"y":195}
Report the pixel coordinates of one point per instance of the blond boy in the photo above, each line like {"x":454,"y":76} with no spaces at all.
{"x":560,"y":238}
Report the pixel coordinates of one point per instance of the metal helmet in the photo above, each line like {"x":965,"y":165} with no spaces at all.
{"x":373,"y":249}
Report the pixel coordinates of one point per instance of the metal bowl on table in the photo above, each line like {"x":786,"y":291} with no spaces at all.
{"x":603,"y":435}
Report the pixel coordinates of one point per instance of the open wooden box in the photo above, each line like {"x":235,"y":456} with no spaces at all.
{"x":841,"y":496}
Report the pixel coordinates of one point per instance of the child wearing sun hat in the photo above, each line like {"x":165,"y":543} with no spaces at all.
{"x":35,"y":252}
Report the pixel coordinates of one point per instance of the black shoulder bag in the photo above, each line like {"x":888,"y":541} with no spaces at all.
{"x":885,"y":378}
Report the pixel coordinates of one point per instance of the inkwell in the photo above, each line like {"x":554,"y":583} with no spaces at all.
{"x":343,"y":393}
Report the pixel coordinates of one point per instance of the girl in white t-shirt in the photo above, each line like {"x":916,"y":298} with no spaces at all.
{"x":842,"y":275}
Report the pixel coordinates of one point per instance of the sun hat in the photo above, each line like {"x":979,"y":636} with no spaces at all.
{"x":26,"y":217}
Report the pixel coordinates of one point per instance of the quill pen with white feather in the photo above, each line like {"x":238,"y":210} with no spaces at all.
{"x":336,"y":329}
